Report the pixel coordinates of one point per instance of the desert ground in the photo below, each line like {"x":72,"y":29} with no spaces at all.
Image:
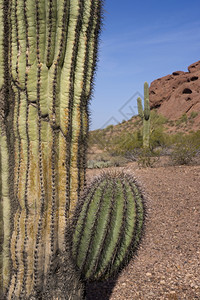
{"x":167,"y":264}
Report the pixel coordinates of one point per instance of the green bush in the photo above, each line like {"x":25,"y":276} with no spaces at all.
{"x":96,"y":164}
{"x":123,"y":143}
{"x":158,"y":138}
{"x":182,"y":120}
{"x":148,"y":158}
{"x":193,"y":114}
{"x":185,"y":149}
{"x":157,"y":120}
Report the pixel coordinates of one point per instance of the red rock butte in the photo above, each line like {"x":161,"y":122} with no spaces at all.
{"x":177,"y":94}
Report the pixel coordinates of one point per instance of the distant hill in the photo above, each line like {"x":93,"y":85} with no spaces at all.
{"x":176,"y":97}
{"x":178,"y":94}
{"x":175,"y":108}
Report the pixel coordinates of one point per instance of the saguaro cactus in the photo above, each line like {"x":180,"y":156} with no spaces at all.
{"x":48,"y":53}
{"x":48,"y":56}
{"x":145,"y":115}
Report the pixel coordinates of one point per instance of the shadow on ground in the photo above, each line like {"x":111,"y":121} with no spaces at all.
{"x":100,"y":290}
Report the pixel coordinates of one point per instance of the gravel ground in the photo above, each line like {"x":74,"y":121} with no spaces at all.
{"x":167,"y":265}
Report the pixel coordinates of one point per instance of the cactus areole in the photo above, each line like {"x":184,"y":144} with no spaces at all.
{"x":48,"y":54}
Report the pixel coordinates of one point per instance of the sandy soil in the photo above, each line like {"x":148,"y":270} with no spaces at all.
{"x":167,"y":265}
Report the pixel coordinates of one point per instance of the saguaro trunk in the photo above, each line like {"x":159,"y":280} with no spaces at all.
{"x":51,"y":56}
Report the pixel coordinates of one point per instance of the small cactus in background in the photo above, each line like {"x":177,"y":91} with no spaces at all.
{"x":145,"y":115}
{"x":107,"y":226}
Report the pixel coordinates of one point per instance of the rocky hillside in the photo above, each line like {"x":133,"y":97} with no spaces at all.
{"x":178,"y":94}
{"x":174,"y":102}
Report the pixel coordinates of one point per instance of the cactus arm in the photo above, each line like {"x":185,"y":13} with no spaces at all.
{"x":145,"y":115}
{"x":140,"y":108}
{"x":146,"y":90}
{"x":146,"y":102}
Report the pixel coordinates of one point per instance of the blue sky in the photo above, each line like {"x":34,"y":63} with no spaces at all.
{"x":141,"y":41}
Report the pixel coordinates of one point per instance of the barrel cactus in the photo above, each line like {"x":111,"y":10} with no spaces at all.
{"x":107,"y":226}
{"x":145,"y":115}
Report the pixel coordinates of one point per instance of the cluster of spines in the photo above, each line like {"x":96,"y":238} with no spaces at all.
{"x":52,"y":63}
{"x":107,"y":226}
{"x":145,"y":115}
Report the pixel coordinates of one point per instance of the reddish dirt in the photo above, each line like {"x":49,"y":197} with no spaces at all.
{"x":167,"y":265}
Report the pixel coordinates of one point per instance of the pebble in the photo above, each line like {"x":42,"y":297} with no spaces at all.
{"x":162,"y":282}
{"x":148,"y":274}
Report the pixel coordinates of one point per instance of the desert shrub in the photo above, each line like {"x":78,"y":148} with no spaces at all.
{"x":133,"y":155}
{"x":158,"y":138}
{"x":105,"y":161}
{"x":96,"y":137}
{"x":147,"y":158}
{"x":123,"y":143}
{"x":193,"y":114}
{"x":95,"y":164}
{"x":171,"y":123}
{"x":157,"y":120}
{"x":194,"y":137}
{"x":182,"y":120}
{"x":185,"y":149}
{"x":109,"y":128}
{"x":137,"y":122}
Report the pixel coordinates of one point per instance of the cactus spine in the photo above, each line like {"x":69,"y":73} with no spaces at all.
{"x":145,"y":115}
{"x":49,"y":49}
{"x":107,"y":226}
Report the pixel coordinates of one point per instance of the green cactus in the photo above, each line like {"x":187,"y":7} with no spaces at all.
{"x":107,"y":226}
{"x":145,"y":115}
{"x":48,"y":57}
